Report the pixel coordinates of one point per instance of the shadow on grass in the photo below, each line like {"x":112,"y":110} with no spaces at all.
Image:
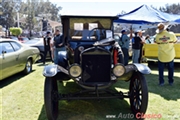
{"x":89,"y":109}
{"x":12,"y":79}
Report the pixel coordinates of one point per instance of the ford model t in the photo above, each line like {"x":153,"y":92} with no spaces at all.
{"x":93,"y":60}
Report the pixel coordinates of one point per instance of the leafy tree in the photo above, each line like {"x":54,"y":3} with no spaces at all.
{"x":28,"y":9}
{"x":173,"y":9}
{"x":9,"y":9}
{"x":15,"y":31}
{"x":8,"y":14}
{"x":31,"y":15}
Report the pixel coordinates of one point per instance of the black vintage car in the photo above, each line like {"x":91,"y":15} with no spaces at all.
{"x":93,"y":59}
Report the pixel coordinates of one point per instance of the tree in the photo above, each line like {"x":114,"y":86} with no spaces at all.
{"x":29,"y":10}
{"x":8,"y":14}
{"x":55,"y":12}
{"x":15,"y":31}
{"x":9,"y":8}
{"x":173,"y":9}
{"x":31,"y":15}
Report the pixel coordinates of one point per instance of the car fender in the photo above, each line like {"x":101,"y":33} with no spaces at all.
{"x":62,"y":59}
{"x":131,"y":68}
{"x":52,"y":70}
{"x":142,"y":68}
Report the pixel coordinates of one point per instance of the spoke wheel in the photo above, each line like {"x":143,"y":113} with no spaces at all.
{"x":138,"y":94}
{"x":51,"y":98}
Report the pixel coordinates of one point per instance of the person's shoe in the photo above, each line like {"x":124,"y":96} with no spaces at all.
{"x":161,"y":84}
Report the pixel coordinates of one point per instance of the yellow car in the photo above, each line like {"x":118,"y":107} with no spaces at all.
{"x":16,"y":57}
{"x":150,"y":51}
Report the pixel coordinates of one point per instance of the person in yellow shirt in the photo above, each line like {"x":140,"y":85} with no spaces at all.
{"x":166,"y":52}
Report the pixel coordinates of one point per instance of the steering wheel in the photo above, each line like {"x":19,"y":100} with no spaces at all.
{"x":98,"y":36}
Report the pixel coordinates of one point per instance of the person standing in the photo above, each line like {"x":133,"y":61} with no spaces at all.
{"x":166,"y":52}
{"x":141,"y":45}
{"x":147,"y":40}
{"x":125,"y":40}
{"x":52,"y":46}
{"x":136,"y":45}
{"x":58,"y":44}
{"x":47,"y":47}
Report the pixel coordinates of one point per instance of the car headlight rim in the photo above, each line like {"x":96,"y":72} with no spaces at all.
{"x":75,"y":70}
{"x":119,"y":70}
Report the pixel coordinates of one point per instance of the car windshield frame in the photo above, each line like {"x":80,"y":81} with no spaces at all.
{"x":95,"y":28}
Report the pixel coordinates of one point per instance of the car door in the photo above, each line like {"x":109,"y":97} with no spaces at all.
{"x":7,"y":60}
{"x":20,"y":60}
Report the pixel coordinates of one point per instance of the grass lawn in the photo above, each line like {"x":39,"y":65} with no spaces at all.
{"x":22,"y":99}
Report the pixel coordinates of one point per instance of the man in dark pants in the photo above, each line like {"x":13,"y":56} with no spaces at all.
{"x":141,"y":46}
{"x":47,"y":48}
{"x":166,"y":53}
{"x":125,"y":45}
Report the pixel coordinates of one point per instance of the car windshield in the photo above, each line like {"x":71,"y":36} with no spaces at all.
{"x":89,"y":29}
{"x":32,"y":41}
{"x":25,"y":39}
{"x":14,"y":38}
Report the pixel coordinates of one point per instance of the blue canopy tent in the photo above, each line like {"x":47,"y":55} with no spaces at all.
{"x":178,"y":20}
{"x":146,"y":15}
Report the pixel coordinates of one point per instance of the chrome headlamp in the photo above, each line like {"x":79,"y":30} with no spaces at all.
{"x":75,"y":70}
{"x":119,"y":70}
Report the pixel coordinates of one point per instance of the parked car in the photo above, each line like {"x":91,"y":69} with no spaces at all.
{"x":13,"y":37}
{"x":94,"y":61}
{"x":16,"y":57}
{"x":23,"y":39}
{"x":38,"y":43}
{"x":150,"y":51}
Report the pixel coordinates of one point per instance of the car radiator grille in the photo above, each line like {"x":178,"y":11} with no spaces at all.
{"x":96,"y":68}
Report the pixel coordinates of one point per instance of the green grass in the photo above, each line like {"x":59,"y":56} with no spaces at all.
{"x":22,"y":99}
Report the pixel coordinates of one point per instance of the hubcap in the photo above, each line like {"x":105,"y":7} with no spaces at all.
{"x":28,"y":66}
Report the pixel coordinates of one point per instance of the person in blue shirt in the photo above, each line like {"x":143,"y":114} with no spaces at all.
{"x":125,"y":40}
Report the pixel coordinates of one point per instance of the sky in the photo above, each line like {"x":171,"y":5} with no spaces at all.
{"x":103,"y":6}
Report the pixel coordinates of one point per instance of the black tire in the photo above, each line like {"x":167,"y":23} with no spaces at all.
{"x":50,"y":98}
{"x":41,"y":57}
{"x":28,"y":66}
{"x":138,"y":94}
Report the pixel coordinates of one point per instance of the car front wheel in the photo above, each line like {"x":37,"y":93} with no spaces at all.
{"x":41,"y":57}
{"x":51,"y":98}
{"x":138,"y":94}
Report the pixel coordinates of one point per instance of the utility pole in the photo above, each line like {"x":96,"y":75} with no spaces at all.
{"x":17,"y":19}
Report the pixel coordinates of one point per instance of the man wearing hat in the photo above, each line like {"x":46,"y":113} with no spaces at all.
{"x":136,"y":46}
{"x":166,"y":52}
{"x":47,"y":48}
